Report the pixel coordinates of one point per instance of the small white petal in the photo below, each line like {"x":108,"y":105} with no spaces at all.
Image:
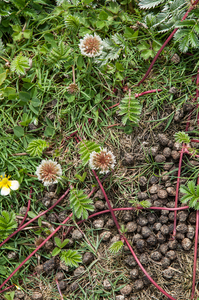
{"x":14,"y":185}
{"x":5,"y":191}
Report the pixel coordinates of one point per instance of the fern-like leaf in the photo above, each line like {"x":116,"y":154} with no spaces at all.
{"x":147,"y":4}
{"x":71,"y":258}
{"x":115,"y":247}
{"x":111,"y":49}
{"x":130,"y":109}
{"x":58,"y":55}
{"x":182,"y":137}
{"x":72,"y":23}
{"x":80,"y":203}
{"x":86,"y":148}
{"x":191,"y":196}
{"x":7,"y":224}
{"x":36,"y":147}
{"x":19,"y":64}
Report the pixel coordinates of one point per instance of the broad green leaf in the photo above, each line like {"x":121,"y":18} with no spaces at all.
{"x":65,"y":242}
{"x":18,"y":131}
{"x":55,"y":251}
{"x":31,"y":214}
{"x":3,"y":77}
{"x":58,"y":242}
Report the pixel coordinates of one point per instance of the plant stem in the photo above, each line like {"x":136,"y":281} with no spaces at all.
{"x":30,"y":255}
{"x":145,"y":272}
{"x":59,"y":289}
{"x":108,"y":202}
{"x":123,"y":238}
{"x":38,"y":216}
{"x":166,"y":42}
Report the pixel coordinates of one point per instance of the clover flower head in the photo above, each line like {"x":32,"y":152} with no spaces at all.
{"x":91,"y":46}
{"x":7,"y":185}
{"x":103,"y":160}
{"x":49,"y":172}
{"x":73,"y":88}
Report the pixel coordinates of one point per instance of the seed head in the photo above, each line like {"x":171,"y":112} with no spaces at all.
{"x":73,"y":88}
{"x":49,"y":172}
{"x":91,"y":46}
{"x":103,"y":160}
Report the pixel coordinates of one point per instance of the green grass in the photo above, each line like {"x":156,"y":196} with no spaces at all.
{"x":37,"y":94}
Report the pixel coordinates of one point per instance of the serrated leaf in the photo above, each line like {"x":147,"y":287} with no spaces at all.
{"x":147,"y":4}
{"x":71,"y":258}
{"x":184,"y":44}
{"x":85,"y":149}
{"x":193,"y":39}
{"x":191,"y":187}
{"x":7,"y":224}
{"x":182,"y":137}
{"x":80,"y":203}
{"x":36,"y":147}
{"x":130,"y":108}
{"x":19,"y":64}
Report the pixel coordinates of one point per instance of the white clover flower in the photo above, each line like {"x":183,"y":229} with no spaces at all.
{"x":49,"y":172}
{"x":103,"y":160}
{"x":91,"y":46}
{"x":7,"y":185}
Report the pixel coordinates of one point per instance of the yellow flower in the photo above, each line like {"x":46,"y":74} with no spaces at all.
{"x":6,"y":185}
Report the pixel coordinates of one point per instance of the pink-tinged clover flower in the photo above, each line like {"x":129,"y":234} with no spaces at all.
{"x":7,"y":185}
{"x":103,"y":160}
{"x":91,"y":46}
{"x":49,"y":172}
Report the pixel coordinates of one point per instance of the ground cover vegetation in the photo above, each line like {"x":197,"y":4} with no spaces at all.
{"x":87,"y":131}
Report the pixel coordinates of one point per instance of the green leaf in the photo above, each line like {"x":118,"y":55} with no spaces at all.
{"x":147,"y":4}
{"x":81,"y":178}
{"x":18,"y":131}
{"x":182,"y":137}
{"x":19,"y":64}
{"x":71,"y":258}
{"x":113,"y":7}
{"x":80,"y":203}
{"x":85,"y":149}
{"x":7,"y":224}
{"x":147,"y":53}
{"x":3,"y":77}
{"x":185,"y":23}
{"x":31,"y":214}
{"x":129,"y":33}
{"x":184,"y":44}
{"x":115,"y":247}
{"x":24,"y":96}
{"x":57,"y":242}
{"x":36,"y":147}
{"x":191,"y":187}
{"x":119,"y":66}
{"x":65,"y":242}
{"x":193,"y":39}
{"x":49,"y":131}
{"x":55,"y":251}
{"x":103,"y":15}
{"x":130,"y":108}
